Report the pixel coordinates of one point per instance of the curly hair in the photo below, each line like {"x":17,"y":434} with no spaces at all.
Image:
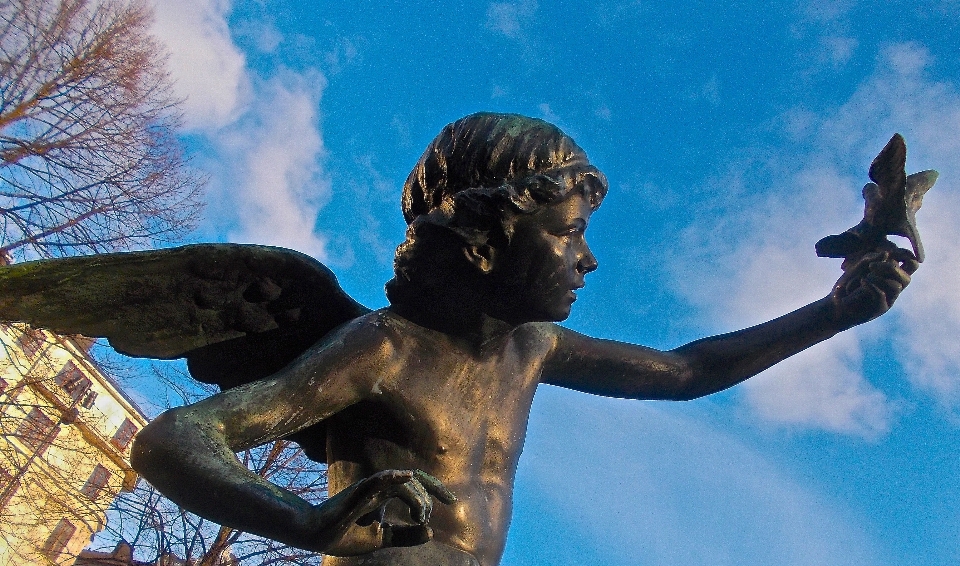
{"x":474,"y":177}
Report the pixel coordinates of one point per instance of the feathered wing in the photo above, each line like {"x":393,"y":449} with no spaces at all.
{"x":888,"y":171}
{"x":237,"y":313}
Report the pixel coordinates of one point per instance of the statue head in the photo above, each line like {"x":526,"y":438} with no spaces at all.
{"x":474,"y":181}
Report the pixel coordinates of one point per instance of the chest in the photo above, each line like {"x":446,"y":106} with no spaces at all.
{"x":448,"y":404}
{"x":466,"y":421}
{"x":467,"y":390}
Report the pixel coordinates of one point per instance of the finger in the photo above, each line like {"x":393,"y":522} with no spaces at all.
{"x":374,"y":491}
{"x":869,"y":301}
{"x":855,"y":270}
{"x":385,"y":480}
{"x":435,"y":487}
{"x":908,"y":261}
{"x":852,"y":264}
{"x":890,"y":288}
{"x":417,"y":499}
{"x":891,"y":270}
{"x":910,"y":266}
{"x":395,"y":476}
{"x":852,"y":285}
{"x":886,"y":245}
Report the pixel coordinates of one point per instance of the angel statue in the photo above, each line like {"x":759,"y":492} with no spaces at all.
{"x":419,"y":409}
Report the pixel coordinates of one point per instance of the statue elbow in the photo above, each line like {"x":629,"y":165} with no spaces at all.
{"x":151,"y":446}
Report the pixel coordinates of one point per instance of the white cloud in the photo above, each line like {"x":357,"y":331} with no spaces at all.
{"x":208,"y":70}
{"x":826,"y":11}
{"x":510,"y":18}
{"x":838,"y":50}
{"x":930,"y":347}
{"x":548,"y":114}
{"x":649,"y":484}
{"x":710,"y":91}
{"x":266,"y":185}
{"x":373,"y":190}
{"x":343,"y":54}
{"x":262,"y":34}
{"x":929,"y":116}
{"x":900,"y":97}
{"x":764,"y":265}
{"x":276,"y":186}
{"x":907,"y":58}
{"x":822,"y":388}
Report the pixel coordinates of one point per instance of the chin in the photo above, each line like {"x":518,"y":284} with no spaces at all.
{"x":558,"y":315}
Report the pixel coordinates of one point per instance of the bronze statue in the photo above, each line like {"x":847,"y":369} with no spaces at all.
{"x":420,"y":409}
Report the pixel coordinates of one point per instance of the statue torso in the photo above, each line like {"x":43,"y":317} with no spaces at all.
{"x":455,"y":411}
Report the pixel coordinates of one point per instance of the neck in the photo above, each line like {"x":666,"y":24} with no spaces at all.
{"x":465,"y":321}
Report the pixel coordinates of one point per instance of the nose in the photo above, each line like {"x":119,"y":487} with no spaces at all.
{"x":587,"y":262}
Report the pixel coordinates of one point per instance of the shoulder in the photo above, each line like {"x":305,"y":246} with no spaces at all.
{"x":542,"y":336}
{"x":388,"y":334}
{"x":368,"y":340}
{"x":373,"y":327}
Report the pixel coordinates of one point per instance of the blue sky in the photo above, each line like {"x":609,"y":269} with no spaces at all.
{"x":734,"y":135}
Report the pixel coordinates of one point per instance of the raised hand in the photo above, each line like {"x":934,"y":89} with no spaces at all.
{"x":870,"y":284}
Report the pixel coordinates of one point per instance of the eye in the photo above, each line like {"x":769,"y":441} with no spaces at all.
{"x":577,"y":228}
{"x":568,"y":232}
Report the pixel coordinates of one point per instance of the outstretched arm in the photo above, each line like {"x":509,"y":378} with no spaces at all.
{"x":867,"y":289}
{"x":188,"y":453}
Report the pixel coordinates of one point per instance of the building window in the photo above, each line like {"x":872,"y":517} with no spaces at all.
{"x":35,"y":429}
{"x":72,"y":380}
{"x":124,"y":435}
{"x":30,"y":341}
{"x":97,"y":481}
{"x":89,"y":398}
{"x":58,"y":539}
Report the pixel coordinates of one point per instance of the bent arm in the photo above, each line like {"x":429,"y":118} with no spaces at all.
{"x":706,"y":366}
{"x":188,"y":453}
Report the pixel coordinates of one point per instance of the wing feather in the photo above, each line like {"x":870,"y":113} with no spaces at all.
{"x":237,"y":313}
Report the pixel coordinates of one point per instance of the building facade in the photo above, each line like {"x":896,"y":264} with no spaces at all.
{"x":65,"y":435}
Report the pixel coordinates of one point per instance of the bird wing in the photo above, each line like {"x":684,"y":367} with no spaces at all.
{"x":888,"y":171}
{"x":917,"y":185}
{"x":237,"y":313}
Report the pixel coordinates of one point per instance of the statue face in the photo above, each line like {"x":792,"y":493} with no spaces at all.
{"x":546,"y":261}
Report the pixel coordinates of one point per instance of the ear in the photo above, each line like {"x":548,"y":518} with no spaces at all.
{"x":482,"y":257}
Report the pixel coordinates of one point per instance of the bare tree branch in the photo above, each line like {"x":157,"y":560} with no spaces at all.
{"x":155,"y":527}
{"x":89,"y":159}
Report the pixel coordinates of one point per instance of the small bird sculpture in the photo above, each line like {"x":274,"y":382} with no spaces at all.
{"x":892,"y":201}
